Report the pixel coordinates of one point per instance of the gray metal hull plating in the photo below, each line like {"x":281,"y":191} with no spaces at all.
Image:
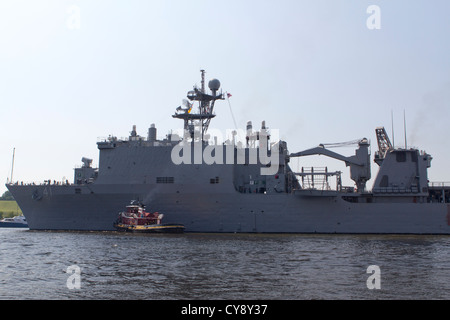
{"x":96,"y":207}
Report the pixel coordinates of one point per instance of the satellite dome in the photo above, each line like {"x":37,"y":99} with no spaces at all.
{"x":214,"y":84}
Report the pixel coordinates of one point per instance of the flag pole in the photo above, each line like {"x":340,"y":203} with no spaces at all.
{"x":12,"y":169}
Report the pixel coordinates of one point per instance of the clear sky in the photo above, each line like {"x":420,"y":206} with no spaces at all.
{"x":72,"y":71}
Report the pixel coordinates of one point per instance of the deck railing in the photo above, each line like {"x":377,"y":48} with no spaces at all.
{"x":439,"y":184}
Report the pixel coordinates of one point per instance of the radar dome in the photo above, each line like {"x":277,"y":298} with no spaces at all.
{"x":214,"y":84}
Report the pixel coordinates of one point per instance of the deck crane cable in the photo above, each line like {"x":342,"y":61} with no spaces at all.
{"x":340,"y":144}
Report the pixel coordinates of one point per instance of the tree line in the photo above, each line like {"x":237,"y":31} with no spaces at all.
{"x":7,"y":196}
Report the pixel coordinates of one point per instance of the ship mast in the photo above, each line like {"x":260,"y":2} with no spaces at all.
{"x":205,"y":107}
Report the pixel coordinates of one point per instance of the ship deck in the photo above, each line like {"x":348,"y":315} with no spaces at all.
{"x":439,"y":192}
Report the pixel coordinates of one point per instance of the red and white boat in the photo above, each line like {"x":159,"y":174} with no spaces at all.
{"x":136,"y":219}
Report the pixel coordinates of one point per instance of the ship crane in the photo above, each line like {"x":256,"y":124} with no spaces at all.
{"x":340,"y":144}
{"x":359,"y":163}
{"x":384,"y":145}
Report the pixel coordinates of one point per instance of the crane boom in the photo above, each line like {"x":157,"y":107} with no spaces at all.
{"x":322,"y":151}
{"x":384,"y":145}
{"x":359,"y":163}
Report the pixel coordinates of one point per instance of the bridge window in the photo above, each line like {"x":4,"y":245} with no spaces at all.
{"x":214,"y":180}
{"x":401,"y":156}
{"x":384,"y":181}
{"x":165,"y":180}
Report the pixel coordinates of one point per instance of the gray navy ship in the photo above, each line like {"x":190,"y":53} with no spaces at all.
{"x":246,"y":186}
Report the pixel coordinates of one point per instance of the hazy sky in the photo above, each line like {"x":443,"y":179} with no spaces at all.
{"x":72,"y":71}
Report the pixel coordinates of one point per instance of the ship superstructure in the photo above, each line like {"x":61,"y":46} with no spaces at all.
{"x":244,"y":186}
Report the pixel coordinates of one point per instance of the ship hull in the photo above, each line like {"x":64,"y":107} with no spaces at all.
{"x":95,"y":208}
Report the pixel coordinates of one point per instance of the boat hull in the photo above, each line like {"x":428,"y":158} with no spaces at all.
{"x":12,"y":225}
{"x":96,"y":207}
{"x":156,"y":228}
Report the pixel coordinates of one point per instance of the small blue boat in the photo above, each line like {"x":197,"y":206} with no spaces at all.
{"x":15,"y":222}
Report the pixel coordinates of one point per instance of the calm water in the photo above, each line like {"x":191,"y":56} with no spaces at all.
{"x":33,"y":265}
